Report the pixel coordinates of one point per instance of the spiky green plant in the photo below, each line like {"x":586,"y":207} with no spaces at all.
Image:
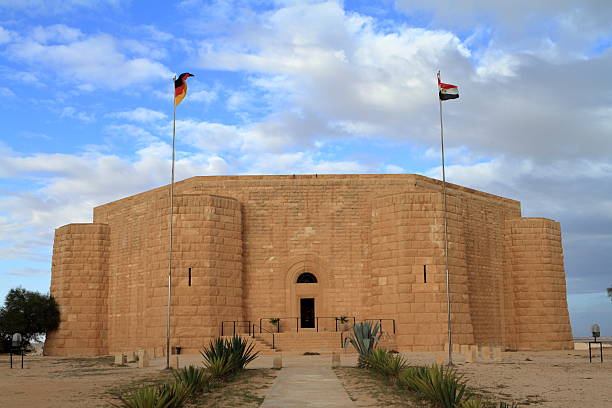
{"x":474,"y":403}
{"x":196,"y":379}
{"x":162,"y":396}
{"x":442,"y":386}
{"x":175,"y":392}
{"x":408,"y":373}
{"x":223,"y":358}
{"x":364,"y":337}
{"x":241,"y":352}
{"x":387,"y":364}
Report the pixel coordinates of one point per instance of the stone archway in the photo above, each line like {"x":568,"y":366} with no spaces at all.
{"x":309,"y":293}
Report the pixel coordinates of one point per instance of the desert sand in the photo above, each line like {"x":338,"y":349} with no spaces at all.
{"x":559,"y":379}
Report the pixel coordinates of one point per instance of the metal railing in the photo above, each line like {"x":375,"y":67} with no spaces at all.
{"x":280,"y":323}
{"x":336,"y":320}
{"x":380,"y":321}
{"x":232,"y":325}
{"x":286,"y":322}
{"x":267,"y":331}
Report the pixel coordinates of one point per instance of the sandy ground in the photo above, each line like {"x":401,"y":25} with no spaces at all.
{"x":555,"y":379}
{"x":559,"y":379}
{"x":367,"y":389}
{"x":67,"y":382}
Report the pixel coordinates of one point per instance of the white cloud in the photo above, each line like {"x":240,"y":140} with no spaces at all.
{"x":5,"y":35}
{"x":71,"y":112}
{"x":394,"y":169}
{"x":324,"y":62}
{"x":58,"y":33}
{"x":156,"y":34}
{"x":96,"y":60}
{"x":140,"y":114}
{"x":52,"y":7}
{"x":131,"y":131}
{"x":209,"y":137}
{"x":6,"y":93}
{"x":207,"y":97}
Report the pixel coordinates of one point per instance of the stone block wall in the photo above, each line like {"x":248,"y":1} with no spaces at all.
{"x":408,"y":274}
{"x":367,"y":239}
{"x":79,"y":285}
{"x":208,"y":231}
{"x":534,"y":263}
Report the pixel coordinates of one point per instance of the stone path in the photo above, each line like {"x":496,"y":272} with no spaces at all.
{"x":307,"y":387}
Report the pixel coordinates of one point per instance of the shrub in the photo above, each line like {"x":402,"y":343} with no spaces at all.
{"x":410,"y":373}
{"x":162,"y":396}
{"x":224,"y":357}
{"x":442,"y":386}
{"x":194,"y":378}
{"x":474,"y":403}
{"x":364,"y":337}
{"x":387,"y":364}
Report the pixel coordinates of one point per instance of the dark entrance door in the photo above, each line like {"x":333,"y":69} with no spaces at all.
{"x":307,"y":312}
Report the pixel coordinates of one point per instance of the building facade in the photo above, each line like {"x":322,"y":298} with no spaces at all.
{"x":308,"y":249}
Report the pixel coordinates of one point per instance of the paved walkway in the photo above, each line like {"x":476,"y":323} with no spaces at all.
{"x":306,"y":387}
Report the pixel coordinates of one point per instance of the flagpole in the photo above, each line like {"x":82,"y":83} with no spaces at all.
{"x":171,"y":237}
{"x":448,"y":302}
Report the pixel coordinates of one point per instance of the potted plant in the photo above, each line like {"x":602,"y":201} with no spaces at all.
{"x":343,"y":320}
{"x":274,"y":321}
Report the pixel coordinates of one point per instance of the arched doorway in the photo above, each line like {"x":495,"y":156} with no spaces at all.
{"x":306,"y":286}
{"x":307,"y":304}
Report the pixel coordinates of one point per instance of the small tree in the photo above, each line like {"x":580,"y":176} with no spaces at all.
{"x":30,"y":313}
{"x":610,"y":292}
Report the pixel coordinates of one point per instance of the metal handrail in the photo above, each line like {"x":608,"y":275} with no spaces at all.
{"x":280,"y":319}
{"x":267,"y":331}
{"x":380,"y":322}
{"x":234,"y":326}
{"x":336,"y":318}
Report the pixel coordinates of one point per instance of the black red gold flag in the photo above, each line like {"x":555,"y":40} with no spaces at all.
{"x":180,"y":87}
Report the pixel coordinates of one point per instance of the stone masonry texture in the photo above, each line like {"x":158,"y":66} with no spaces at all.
{"x":375,"y":244}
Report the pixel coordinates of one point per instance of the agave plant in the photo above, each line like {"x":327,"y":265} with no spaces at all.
{"x":196,"y":379}
{"x":223,"y":358}
{"x":241,"y":352}
{"x":440,"y":385}
{"x":387,"y":364}
{"x":364,"y":337}
{"x":474,"y":403}
{"x":163,"y":396}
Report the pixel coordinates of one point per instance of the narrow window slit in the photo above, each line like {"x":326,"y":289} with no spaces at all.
{"x":425,"y":273}
{"x":189,"y":276}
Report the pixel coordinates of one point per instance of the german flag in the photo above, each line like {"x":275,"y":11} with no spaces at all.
{"x":180,"y":87}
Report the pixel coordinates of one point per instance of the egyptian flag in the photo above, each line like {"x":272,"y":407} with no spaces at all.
{"x":447,"y":91}
{"x":180,"y":87}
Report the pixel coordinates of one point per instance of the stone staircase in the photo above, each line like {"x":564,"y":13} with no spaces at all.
{"x":260,"y":344}
{"x":314,"y":342}
{"x":309,"y":340}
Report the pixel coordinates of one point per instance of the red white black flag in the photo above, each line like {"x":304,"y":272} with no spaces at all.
{"x":447,"y":91}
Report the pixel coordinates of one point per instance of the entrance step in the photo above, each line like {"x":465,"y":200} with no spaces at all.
{"x":260,"y":344}
{"x":305,"y":341}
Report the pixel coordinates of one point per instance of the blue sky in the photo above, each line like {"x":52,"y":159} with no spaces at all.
{"x":307,"y":87}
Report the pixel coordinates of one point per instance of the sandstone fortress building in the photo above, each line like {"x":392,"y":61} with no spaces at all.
{"x":307,"y":249}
